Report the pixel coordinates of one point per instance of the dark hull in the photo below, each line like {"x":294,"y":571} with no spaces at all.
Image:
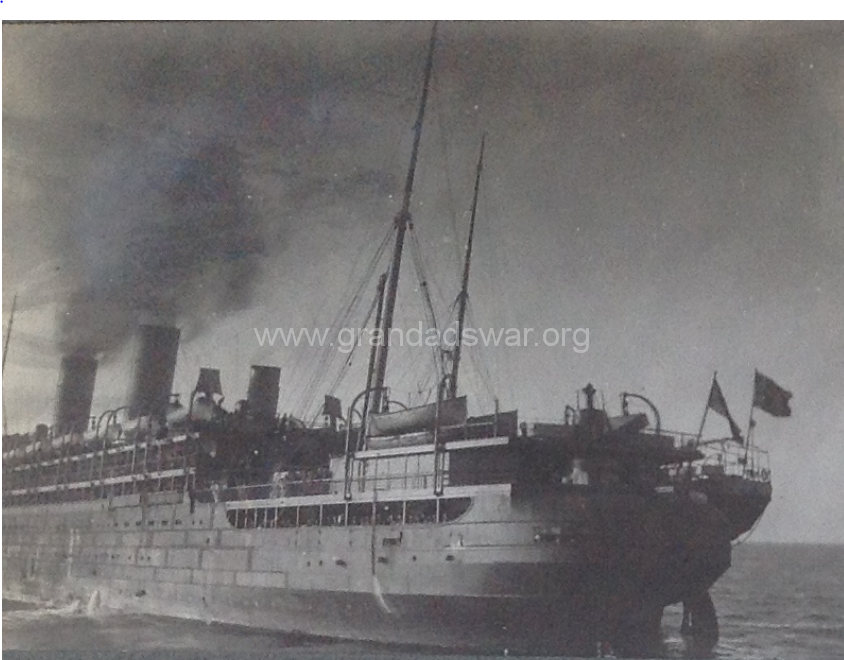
{"x":570,"y":623}
{"x":486,"y":624}
{"x":475,"y":583}
{"x":743,"y":501}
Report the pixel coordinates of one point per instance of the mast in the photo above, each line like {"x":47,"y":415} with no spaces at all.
{"x":464,"y":289}
{"x":9,"y":332}
{"x":5,"y":353}
{"x":402,"y":220}
{"x":370,"y":372}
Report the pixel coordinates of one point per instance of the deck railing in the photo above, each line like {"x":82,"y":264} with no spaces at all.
{"x":724,"y":457}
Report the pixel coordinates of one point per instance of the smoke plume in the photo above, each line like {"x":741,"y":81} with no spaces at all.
{"x":189,"y":251}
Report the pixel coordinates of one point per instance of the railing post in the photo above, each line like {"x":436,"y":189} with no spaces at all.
{"x":347,"y":477}
{"x":439,"y":450}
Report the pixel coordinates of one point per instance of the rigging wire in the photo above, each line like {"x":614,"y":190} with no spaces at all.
{"x":348,"y":362}
{"x":449,"y":189}
{"x":419,"y":267}
{"x":325,"y":361}
{"x":329,"y":351}
{"x":476,"y":357}
{"x":360,"y":79}
{"x":303,"y":360}
{"x":344,"y":368}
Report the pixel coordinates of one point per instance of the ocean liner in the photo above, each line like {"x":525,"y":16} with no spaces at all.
{"x":420,"y":525}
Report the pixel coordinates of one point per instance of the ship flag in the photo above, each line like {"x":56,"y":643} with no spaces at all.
{"x":770,"y":397}
{"x":718,"y":403}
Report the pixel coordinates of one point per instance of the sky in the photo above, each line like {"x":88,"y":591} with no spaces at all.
{"x":676,"y":188}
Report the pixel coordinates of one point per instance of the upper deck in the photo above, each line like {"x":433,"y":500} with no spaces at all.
{"x":587,"y":447}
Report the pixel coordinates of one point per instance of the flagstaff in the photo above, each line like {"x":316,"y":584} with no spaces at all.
{"x":706,"y":409}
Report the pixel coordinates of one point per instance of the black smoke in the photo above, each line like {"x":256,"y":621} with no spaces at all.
{"x":168,"y":163}
{"x":190,"y":252}
{"x":158,"y":166}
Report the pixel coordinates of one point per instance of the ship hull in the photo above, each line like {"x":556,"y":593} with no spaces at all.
{"x":476,"y":583}
{"x":569,"y":623}
{"x":533,"y":626}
